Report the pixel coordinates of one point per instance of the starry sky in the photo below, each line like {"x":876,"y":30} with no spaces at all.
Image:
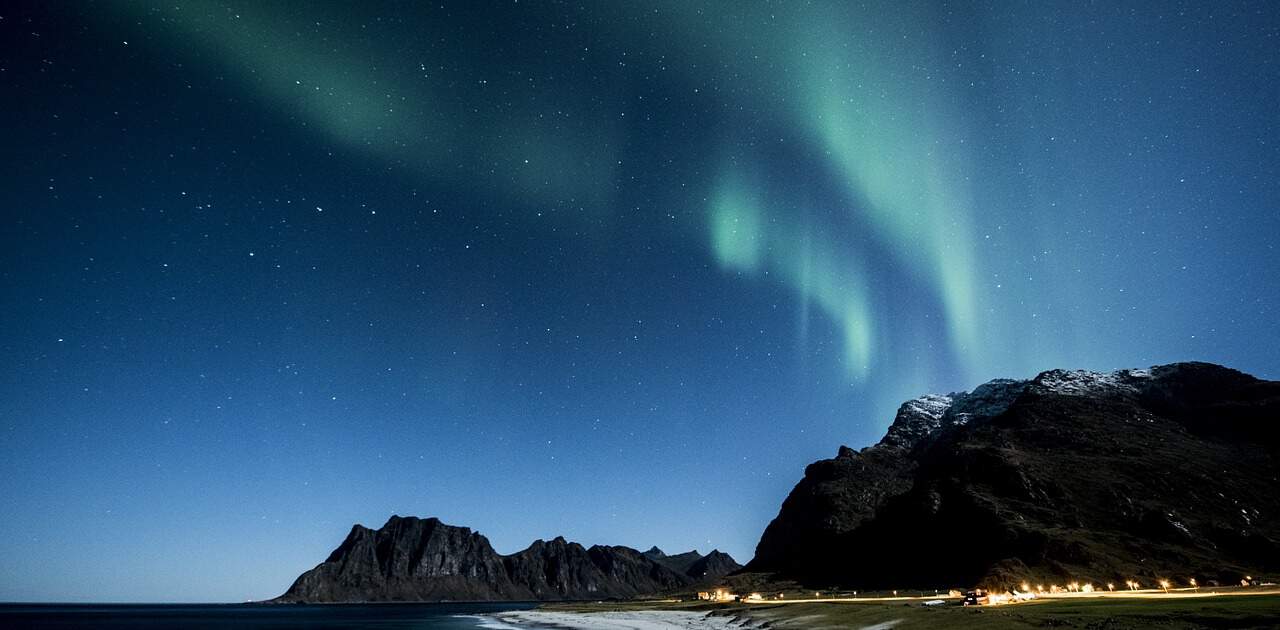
{"x":610,"y":270}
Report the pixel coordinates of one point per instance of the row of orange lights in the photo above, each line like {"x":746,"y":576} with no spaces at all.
{"x":1077,"y":587}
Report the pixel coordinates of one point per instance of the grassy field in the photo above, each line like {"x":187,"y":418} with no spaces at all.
{"x":1255,"y":611}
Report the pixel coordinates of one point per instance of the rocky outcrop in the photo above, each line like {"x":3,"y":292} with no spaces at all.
{"x":408,"y":559}
{"x":1149,"y":474}
{"x":411,"y":559}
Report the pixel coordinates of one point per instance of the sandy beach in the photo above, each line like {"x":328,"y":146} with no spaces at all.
{"x":619,"y":620}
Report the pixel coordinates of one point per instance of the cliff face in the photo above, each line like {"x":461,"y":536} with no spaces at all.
{"x":1167,"y":472}
{"x":411,"y":559}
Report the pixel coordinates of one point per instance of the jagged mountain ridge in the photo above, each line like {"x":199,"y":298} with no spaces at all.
{"x":1071,"y":474}
{"x":695,"y":565}
{"x":712,"y":566}
{"x":412,"y":559}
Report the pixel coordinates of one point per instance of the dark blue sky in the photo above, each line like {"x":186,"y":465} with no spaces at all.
{"x":612,"y":271}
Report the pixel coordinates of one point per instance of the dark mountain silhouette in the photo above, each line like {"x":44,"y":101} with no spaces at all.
{"x":701,"y":568}
{"x":1167,"y":473}
{"x":412,"y":559}
{"x":712,"y":567}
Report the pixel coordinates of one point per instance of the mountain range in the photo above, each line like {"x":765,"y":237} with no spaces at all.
{"x":1167,"y":473}
{"x":413,"y":559}
{"x":1164,"y":473}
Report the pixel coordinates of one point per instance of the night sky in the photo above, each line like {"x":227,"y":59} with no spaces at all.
{"x":615,"y":271}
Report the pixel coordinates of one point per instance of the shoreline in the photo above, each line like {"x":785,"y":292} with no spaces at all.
{"x":618,"y":620}
{"x":1233,"y":608}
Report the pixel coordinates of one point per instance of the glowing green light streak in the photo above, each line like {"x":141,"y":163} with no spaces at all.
{"x":365,"y":96}
{"x":744,"y":241}
{"x":892,"y":162}
{"x":858,"y":86}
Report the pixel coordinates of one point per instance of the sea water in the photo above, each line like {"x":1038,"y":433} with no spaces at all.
{"x":272,"y":617}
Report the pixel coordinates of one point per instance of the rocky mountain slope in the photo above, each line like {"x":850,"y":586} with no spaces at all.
{"x":1167,"y":473}
{"x":412,"y":559}
{"x":701,"y":568}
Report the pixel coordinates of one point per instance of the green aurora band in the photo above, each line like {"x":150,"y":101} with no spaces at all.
{"x":861,"y":98}
{"x":866,"y":102}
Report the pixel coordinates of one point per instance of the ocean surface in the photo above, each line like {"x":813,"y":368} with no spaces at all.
{"x":275,"y":617}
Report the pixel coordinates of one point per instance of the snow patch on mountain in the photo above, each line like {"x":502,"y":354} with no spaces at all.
{"x":921,"y":417}
{"x":1086,"y":383}
{"x":917,"y":418}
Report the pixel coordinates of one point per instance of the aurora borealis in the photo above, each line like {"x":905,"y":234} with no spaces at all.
{"x":613,"y":271}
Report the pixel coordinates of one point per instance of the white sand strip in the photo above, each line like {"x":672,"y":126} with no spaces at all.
{"x":489,"y":622}
{"x":622,"y":620}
